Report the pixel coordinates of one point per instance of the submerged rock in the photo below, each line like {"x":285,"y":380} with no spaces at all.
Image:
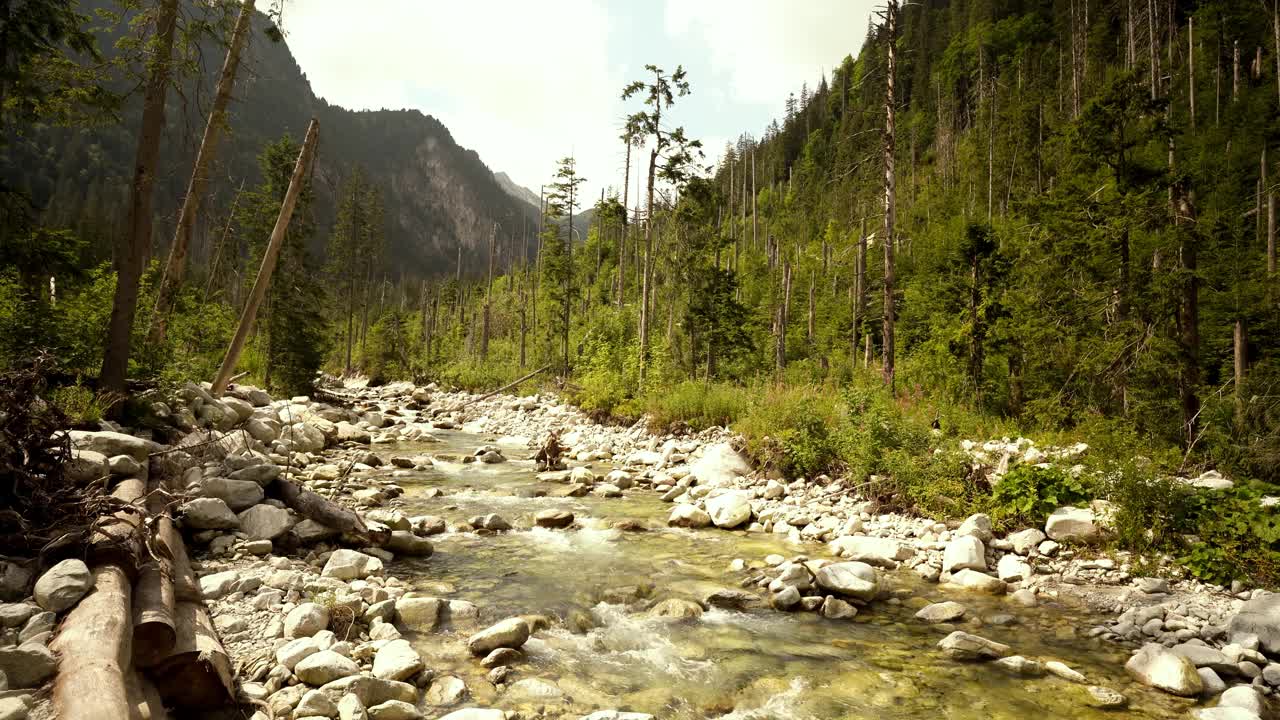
{"x":510,"y":633}
{"x":851,"y":579}
{"x":963,"y":646}
{"x":688,"y":516}
{"x":942,"y":612}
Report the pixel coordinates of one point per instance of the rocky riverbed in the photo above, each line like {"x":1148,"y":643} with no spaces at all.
{"x":652,"y":577}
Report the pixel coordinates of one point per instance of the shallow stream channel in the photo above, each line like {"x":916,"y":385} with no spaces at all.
{"x":603,"y":650}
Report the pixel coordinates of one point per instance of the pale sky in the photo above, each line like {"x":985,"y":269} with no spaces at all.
{"x":526,"y":82}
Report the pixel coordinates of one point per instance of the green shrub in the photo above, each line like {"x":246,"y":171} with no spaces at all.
{"x":696,"y":405}
{"x":795,"y":431}
{"x":1150,"y":511}
{"x":82,"y":406}
{"x":1232,"y":537}
{"x":1027,"y":494}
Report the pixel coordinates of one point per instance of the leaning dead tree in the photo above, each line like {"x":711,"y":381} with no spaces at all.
{"x":175,"y":268}
{"x":269,"y":258}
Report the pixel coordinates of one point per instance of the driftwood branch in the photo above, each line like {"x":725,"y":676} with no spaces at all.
{"x":488,"y":395}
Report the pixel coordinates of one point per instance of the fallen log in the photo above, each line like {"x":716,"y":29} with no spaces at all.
{"x":93,"y":650}
{"x":154,"y":597}
{"x":324,"y":511}
{"x":197,"y":674}
{"x":442,"y":411}
{"x":118,"y":539}
{"x":144,"y":699}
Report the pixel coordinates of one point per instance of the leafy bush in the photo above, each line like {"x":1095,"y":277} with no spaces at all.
{"x":81,"y":405}
{"x":1150,"y":511}
{"x":1235,"y":537}
{"x":1027,"y":494}
{"x":794,"y":430}
{"x":696,"y":405}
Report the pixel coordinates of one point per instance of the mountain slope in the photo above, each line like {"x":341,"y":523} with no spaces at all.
{"x":437,"y":194}
{"x":516,"y":190}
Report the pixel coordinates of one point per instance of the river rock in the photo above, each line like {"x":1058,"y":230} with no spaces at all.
{"x":501,"y":658}
{"x":676,"y":608}
{"x":1025,"y":541}
{"x":403,"y":542}
{"x":370,"y":690}
{"x":1205,"y":656}
{"x":263,"y":474}
{"x":688,"y":516}
{"x":510,"y":633}
{"x":963,"y":646}
{"x":1062,"y":670}
{"x":14,"y":707}
{"x":553,"y":518}
{"x":616,"y":715}
{"x":978,"y":526}
{"x":1165,"y":670}
{"x":113,"y":443}
{"x":345,"y":564}
{"x":1244,"y":697}
{"x":15,"y":615}
{"x":850,"y":579}
{"x":297,"y":650}
{"x":1223,"y":713}
{"x":1023,"y":667}
{"x":719,"y":464}
{"x":418,"y":613}
{"x":730,"y":509}
{"x":786,"y":598}
{"x":833,"y":608}
{"x":219,"y":585}
{"x":316,"y":704}
{"x":302,"y":437}
{"x":86,"y":466}
{"x":1106,"y":698}
{"x":881,"y":552}
{"x":491,"y":522}
{"x":62,"y":585}
{"x":1070,"y":523}
{"x":237,"y":494}
{"x":15,"y":581}
{"x":324,"y":667}
{"x":446,"y":690}
{"x":208,"y":514}
{"x":265,"y":522}
{"x":394,"y":710}
{"x":1260,"y":616}
{"x":942,"y":612}
{"x":475,"y":714}
{"x":978,"y":582}
{"x":964,"y":552}
{"x":1012,"y":568}
{"x":397,"y":660}
{"x":27,"y":666}
{"x":306,"y":620}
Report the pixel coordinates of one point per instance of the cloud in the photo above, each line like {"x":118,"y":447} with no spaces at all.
{"x":518,"y":82}
{"x":766,"y":48}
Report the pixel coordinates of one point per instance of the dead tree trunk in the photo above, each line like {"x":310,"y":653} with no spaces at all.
{"x":488,"y":298}
{"x":94,"y":652}
{"x":891,"y":15}
{"x":268,"y":262}
{"x":177,"y":264}
{"x":645,"y":290}
{"x":133,"y":246}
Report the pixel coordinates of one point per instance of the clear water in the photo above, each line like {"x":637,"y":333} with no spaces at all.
{"x":740,"y":665}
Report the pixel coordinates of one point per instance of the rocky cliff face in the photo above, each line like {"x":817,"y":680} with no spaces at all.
{"x":437,"y":194}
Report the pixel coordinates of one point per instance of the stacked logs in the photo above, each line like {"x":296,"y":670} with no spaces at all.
{"x":142,"y":639}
